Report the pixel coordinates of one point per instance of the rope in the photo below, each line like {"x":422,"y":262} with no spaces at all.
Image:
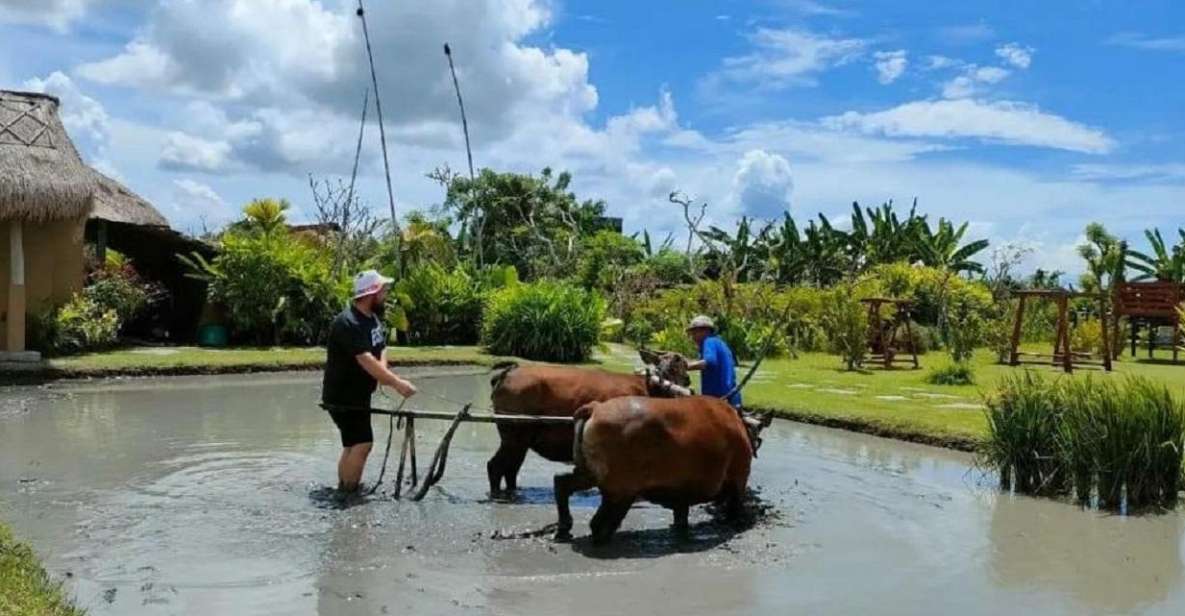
{"x":436,"y":470}
{"x":387,"y":452}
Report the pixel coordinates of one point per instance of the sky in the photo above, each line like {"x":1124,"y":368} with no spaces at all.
{"x":1027,"y":119}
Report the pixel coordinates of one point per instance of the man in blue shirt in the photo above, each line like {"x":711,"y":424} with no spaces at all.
{"x":718,"y":366}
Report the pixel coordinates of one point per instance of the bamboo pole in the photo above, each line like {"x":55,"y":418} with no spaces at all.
{"x":378,"y":106}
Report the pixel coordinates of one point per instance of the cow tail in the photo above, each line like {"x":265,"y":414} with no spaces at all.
{"x":578,"y":444}
{"x":582,"y":416}
{"x":501,"y":369}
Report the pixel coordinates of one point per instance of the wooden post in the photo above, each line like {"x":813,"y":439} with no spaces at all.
{"x":1014,"y":357}
{"x":101,"y":243}
{"x":1063,"y":319}
{"x":16,"y":288}
{"x":1103,"y":322}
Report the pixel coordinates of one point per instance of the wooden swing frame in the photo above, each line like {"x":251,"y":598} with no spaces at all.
{"x":1062,"y":355}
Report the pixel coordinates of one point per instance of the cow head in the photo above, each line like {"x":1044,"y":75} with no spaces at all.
{"x":754,"y":424}
{"x":668,"y":365}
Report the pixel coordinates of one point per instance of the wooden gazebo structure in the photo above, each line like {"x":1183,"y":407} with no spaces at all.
{"x":1062,"y":354}
{"x":885,"y":345}
{"x":1151,"y":305}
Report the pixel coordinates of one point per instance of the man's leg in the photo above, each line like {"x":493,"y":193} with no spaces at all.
{"x":351,"y":465}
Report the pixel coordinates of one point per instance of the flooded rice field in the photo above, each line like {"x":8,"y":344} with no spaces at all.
{"x":198,"y":495}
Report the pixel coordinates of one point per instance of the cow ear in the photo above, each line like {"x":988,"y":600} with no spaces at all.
{"x":648,"y":357}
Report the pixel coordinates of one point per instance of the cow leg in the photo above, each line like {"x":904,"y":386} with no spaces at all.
{"x":496,"y":468}
{"x":565,"y":485}
{"x":608,"y":518}
{"x":514,"y":462}
{"x":681,"y":526}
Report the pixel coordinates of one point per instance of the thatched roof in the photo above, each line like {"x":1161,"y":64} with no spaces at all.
{"x":41,"y":175}
{"x":115,"y":203}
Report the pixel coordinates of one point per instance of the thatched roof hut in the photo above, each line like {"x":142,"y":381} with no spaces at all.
{"x":46,"y":193}
{"x":114,"y":202}
{"x":42,"y":178}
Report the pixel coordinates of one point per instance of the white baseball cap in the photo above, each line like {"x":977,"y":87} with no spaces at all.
{"x":369,"y":283}
{"x":701,"y":322}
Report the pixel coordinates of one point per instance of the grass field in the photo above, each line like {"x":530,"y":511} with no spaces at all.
{"x":24,"y":586}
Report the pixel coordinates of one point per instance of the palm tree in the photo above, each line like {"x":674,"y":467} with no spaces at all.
{"x":266,"y":214}
{"x":879,"y":236}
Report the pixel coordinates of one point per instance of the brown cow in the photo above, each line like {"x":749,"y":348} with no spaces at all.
{"x":557,"y":391}
{"x":674,"y":452}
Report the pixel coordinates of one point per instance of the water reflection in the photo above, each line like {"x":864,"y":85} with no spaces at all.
{"x":1103,"y":562}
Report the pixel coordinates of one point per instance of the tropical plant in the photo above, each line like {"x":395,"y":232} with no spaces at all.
{"x":845,"y":319}
{"x":1163,"y":262}
{"x":943,"y":248}
{"x":81,"y":324}
{"x":545,"y":321}
{"x":444,"y":306}
{"x":275,"y":288}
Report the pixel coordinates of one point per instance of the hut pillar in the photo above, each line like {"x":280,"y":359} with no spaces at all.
{"x":15,"y":334}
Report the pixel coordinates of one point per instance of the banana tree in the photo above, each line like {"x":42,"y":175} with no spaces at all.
{"x":1163,"y":262}
{"x":943,"y":249}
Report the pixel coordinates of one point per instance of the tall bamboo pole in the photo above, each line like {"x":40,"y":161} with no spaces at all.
{"x":379,"y":108}
{"x":448,"y":53}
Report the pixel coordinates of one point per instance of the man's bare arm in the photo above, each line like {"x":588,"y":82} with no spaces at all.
{"x":697,"y":364}
{"x":384,"y":376}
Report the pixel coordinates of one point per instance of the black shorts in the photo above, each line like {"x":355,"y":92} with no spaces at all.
{"x":354,"y":426}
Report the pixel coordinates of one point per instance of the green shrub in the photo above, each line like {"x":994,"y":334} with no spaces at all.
{"x":966,"y":330}
{"x":445,"y":306}
{"x":545,"y":320}
{"x":1087,"y":337}
{"x":846,"y":322}
{"x":123,"y":291}
{"x":952,"y":374}
{"x":78,"y":325}
{"x":274,"y":288}
{"x":674,"y":338}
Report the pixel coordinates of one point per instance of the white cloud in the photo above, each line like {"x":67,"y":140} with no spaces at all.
{"x":1130,"y":172}
{"x":763,"y":184}
{"x":1138,"y":40}
{"x":1002,"y":121}
{"x":1015,"y":54}
{"x":57,"y":14}
{"x":85,"y":118}
{"x":789,"y":57}
{"x":227,"y":51}
{"x":196,"y":201}
{"x":184,"y":152}
{"x":972,"y":80}
{"x":941,"y":62}
{"x":890,"y":65}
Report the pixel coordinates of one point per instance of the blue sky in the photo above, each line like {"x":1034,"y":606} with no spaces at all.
{"x":1027,"y":119}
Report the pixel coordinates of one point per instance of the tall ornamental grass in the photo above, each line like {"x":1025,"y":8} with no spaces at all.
{"x":1118,"y":442}
{"x":545,"y":321}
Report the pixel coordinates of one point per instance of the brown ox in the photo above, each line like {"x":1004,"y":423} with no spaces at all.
{"x":675,"y":453}
{"x":557,"y":391}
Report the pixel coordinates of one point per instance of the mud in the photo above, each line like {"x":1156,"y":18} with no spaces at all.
{"x":207,"y":495}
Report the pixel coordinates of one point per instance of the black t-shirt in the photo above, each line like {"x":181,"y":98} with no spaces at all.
{"x":345,"y":381}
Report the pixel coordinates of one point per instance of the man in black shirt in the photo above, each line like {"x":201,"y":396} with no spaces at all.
{"x":356,"y":364}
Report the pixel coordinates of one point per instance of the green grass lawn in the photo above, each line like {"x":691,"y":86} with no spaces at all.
{"x":899,"y":402}
{"x":191,"y":359}
{"x":25,"y":588}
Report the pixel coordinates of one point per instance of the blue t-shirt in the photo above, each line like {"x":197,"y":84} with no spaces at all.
{"x":719,"y":373}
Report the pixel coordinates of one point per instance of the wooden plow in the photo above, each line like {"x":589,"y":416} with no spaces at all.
{"x":407,"y":451}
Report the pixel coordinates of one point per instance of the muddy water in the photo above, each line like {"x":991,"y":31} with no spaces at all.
{"x":192,"y":495}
